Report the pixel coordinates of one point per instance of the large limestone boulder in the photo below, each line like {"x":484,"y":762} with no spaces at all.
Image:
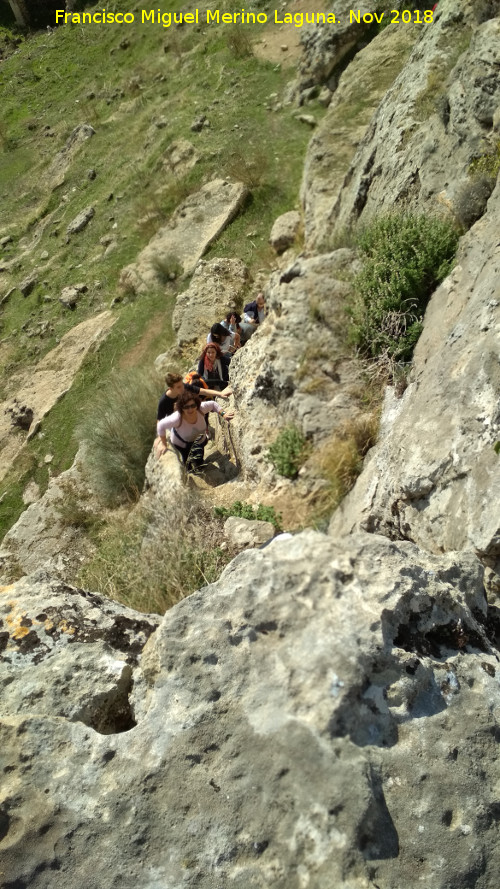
{"x":437,"y":118}
{"x":319,"y":717}
{"x":179,"y":245}
{"x":434,"y":478}
{"x":295,"y":369}
{"x":216,"y":287}
{"x":39,"y":390}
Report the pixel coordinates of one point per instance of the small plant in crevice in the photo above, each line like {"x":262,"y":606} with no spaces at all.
{"x":167,"y":267}
{"x":258,"y":513}
{"x":405,"y":256}
{"x":75,"y":510}
{"x":471,"y":200}
{"x":488,"y":164}
{"x":288,"y":452}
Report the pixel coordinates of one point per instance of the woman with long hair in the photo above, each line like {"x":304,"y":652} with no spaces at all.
{"x":213,"y":367}
{"x":187,"y":428}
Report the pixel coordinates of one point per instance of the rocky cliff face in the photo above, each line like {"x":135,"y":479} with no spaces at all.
{"x":297,"y":362}
{"x":440,"y":114}
{"x":327,"y":713}
{"x":434,"y":477}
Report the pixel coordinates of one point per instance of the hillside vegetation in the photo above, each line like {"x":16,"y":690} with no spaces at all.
{"x":140,"y":88}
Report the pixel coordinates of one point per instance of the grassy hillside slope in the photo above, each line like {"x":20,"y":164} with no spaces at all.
{"x":140,"y":87}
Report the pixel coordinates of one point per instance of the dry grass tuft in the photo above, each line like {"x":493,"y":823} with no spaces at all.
{"x":150,"y":562}
{"x":340,"y":461}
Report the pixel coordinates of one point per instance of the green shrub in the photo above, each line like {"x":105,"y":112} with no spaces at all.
{"x":118,"y":432}
{"x":288,"y":452}
{"x":259,"y":513}
{"x":404,"y":257}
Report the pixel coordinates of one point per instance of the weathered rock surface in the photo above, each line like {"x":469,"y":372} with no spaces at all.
{"x":436,"y":119}
{"x":192,"y":228}
{"x":49,"y":533}
{"x":319,"y":717}
{"x":326,"y":46}
{"x":72,"y":653}
{"x":334,"y":143}
{"x":48,"y":381}
{"x":284,"y":231}
{"x":295,"y":369}
{"x":60,"y":165}
{"x":434,"y":477}
{"x":28,"y":284}
{"x":247,"y":532}
{"x":180,"y":156}
{"x":71,"y":295}
{"x":215,"y":288}
{"x":80,"y":221}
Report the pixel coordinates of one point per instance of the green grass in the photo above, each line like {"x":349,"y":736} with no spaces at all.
{"x":340,"y":460}
{"x":151,"y":569}
{"x":58,"y":427}
{"x":118,"y":431}
{"x":488,"y":164}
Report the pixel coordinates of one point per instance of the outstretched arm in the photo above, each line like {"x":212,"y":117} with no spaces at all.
{"x":214,"y":393}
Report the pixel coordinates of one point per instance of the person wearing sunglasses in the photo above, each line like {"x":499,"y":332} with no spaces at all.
{"x":187,"y":428}
{"x":175,"y":386}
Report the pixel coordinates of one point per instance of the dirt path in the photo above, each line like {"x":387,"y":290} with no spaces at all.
{"x":139,"y":353}
{"x":281,"y":43}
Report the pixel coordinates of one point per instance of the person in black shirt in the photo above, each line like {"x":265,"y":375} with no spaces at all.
{"x":175,"y":387}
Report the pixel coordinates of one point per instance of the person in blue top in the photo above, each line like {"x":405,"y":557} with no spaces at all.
{"x":253,"y":314}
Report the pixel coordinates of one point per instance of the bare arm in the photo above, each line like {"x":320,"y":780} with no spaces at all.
{"x":214,"y":393}
{"x":209,"y":406}
{"x":167,"y":423}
